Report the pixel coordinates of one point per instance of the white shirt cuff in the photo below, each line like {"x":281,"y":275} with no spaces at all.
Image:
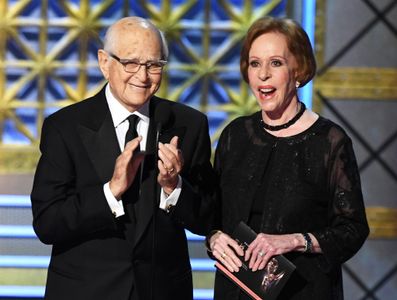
{"x":115,"y":205}
{"x":167,"y":201}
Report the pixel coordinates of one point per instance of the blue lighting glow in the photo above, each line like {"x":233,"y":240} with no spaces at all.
{"x":309,"y":24}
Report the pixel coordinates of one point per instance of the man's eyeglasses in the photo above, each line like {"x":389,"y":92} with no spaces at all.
{"x":133,"y":65}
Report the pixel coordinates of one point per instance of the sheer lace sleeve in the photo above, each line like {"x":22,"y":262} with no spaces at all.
{"x":348,"y":226}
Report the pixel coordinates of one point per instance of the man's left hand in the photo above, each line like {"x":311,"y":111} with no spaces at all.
{"x":170,"y":165}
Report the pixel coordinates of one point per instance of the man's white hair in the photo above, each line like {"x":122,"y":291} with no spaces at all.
{"x":110,"y":36}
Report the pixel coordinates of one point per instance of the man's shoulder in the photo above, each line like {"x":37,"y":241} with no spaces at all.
{"x":180,"y":108}
{"x":78,"y":110}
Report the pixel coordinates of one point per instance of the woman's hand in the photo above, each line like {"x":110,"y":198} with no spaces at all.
{"x":224,"y":248}
{"x":265,"y":246}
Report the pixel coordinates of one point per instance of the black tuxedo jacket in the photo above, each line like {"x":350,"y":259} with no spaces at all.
{"x":94,"y":255}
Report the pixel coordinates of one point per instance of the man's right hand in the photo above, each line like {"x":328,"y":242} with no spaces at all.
{"x":126,"y":168}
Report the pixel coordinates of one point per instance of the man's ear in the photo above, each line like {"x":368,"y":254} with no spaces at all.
{"x":103,"y":61}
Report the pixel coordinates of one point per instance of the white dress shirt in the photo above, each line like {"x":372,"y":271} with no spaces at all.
{"x":119,"y":116}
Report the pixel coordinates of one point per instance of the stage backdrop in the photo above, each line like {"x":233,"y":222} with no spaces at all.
{"x":48,"y":59}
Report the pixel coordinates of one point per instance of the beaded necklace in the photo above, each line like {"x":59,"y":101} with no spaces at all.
{"x":289,"y":123}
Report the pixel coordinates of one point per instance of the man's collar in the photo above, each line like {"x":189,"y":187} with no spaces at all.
{"x":119,"y":113}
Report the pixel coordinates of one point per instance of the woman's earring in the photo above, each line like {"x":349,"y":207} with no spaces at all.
{"x":297,"y":84}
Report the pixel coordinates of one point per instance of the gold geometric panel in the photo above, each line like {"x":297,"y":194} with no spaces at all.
{"x":48,"y":60}
{"x":383,"y":222}
{"x":359,"y":83}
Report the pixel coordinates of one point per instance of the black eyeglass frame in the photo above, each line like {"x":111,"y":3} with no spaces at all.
{"x":148,"y":65}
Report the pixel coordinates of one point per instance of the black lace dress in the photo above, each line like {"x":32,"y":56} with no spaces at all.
{"x":308,"y":182}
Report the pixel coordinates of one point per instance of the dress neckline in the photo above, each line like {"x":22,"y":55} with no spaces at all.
{"x":265,"y":133}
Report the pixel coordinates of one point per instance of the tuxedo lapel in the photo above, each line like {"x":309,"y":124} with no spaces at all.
{"x":168,"y":134}
{"x":99,"y":138}
{"x":150,"y":190}
{"x":149,"y":187}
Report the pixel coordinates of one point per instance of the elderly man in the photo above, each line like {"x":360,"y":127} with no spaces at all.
{"x":121,"y":175}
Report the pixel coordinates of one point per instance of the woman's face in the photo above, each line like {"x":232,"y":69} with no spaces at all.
{"x":272,"y":72}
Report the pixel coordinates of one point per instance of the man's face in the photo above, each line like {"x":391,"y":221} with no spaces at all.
{"x":139,"y":43}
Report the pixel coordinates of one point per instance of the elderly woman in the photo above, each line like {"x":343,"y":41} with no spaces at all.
{"x":287,"y":172}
